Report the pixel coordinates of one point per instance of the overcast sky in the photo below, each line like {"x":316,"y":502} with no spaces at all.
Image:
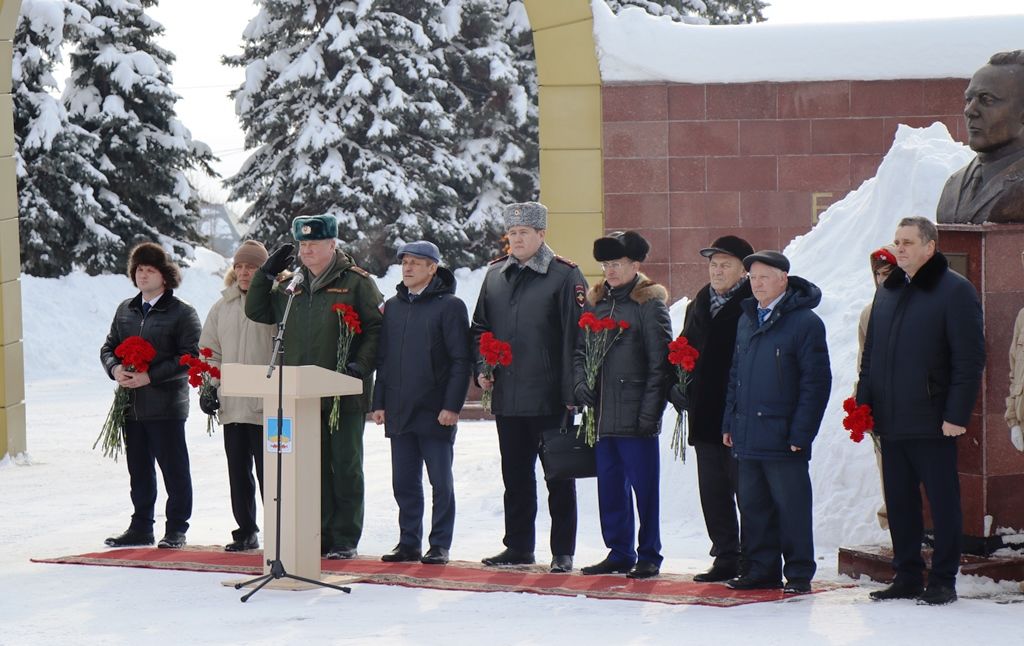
{"x":199,"y":32}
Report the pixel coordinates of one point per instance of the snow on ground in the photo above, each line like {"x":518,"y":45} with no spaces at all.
{"x":636,"y":46}
{"x":68,"y":497}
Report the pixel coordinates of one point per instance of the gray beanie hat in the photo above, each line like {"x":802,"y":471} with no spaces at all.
{"x":525,"y":214}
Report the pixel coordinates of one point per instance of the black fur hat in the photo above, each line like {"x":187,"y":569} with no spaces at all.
{"x":621,"y":244}
{"x":152,"y":254}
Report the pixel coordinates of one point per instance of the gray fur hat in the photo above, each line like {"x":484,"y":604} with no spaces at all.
{"x":525,"y":214}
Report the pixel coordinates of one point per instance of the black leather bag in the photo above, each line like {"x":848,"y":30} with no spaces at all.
{"x":564,"y":454}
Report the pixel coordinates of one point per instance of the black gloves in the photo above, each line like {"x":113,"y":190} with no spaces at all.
{"x":209,"y":403}
{"x":353,"y":370}
{"x":278,"y":261}
{"x":585,"y":395}
{"x":679,"y":398}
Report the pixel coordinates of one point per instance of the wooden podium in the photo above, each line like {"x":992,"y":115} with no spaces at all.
{"x":300,"y":457}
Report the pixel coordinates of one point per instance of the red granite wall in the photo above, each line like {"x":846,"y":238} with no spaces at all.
{"x":685,"y":163}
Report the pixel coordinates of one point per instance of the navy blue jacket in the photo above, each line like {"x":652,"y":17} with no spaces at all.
{"x":924,"y":352}
{"x":424,"y":359}
{"x":780,"y":379}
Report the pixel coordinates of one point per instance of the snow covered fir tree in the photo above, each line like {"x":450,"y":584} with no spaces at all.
{"x":716,"y":12}
{"x":53,"y":157}
{"x":352,"y":112}
{"x":120,"y":91}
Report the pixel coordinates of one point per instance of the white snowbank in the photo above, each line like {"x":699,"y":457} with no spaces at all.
{"x":635,"y":46}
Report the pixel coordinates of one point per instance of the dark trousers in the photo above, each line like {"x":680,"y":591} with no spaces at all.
{"x":628,"y":466}
{"x":717,"y":475}
{"x":409,"y":452}
{"x":519,"y":442}
{"x":160,"y":442}
{"x":341,"y":481}
{"x":906,"y":465}
{"x":775,"y":508}
{"x":243,"y":446}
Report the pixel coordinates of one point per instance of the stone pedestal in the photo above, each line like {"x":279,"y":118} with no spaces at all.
{"x":991,"y":469}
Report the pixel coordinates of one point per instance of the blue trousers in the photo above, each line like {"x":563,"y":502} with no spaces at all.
{"x":409,"y":452}
{"x":158,"y":442}
{"x":775,"y":509}
{"x":628,"y":466}
{"x":906,"y":465}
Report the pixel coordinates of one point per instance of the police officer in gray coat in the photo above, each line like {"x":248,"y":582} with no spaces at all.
{"x":531,"y":299}
{"x":424,"y":363}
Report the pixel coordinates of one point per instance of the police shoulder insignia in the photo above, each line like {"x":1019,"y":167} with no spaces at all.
{"x":497,"y":260}
{"x":581,"y":295}
{"x":565,"y":261}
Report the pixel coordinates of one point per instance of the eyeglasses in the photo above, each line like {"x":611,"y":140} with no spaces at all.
{"x":615,"y":265}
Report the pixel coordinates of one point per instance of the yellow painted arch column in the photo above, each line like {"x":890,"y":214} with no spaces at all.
{"x":570,"y":127}
{"x":12,"y":362}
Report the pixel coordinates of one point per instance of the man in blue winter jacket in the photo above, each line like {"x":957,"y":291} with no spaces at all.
{"x":424,"y":362}
{"x":778,"y":388}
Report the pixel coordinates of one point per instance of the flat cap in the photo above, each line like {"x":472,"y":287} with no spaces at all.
{"x":525,"y":214}
{"x":770,"y":258}
{"x":621,"y":244}
{"x":315,"y":227}
{"x":730,"y":245}
{"x":421,"y":249}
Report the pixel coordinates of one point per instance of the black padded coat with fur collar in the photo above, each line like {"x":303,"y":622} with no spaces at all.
{"x":634,"y":378}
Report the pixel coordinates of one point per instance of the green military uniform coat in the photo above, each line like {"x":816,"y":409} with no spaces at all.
{"x":311,"y":338}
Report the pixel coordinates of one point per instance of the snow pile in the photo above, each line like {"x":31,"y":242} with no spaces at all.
{"x":635,"y":46}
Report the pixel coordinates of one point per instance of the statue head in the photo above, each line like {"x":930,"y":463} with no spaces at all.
{"x":994,"y":106}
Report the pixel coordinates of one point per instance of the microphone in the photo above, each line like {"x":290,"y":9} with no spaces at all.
{"x":297,"y":280}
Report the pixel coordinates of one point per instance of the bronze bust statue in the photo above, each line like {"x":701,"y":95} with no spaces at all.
{"x":991,"y":187}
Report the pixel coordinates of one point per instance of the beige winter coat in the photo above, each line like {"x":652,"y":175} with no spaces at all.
{"x":1015,"y":400}
{"x":234,"y":338}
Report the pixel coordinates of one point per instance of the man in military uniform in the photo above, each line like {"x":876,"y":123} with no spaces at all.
{"x":532,"y":299}
{"x":311,"y":338}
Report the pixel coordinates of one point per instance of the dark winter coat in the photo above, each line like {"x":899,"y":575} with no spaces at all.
{"x":715,"y":339}
{"x":311,"y":335}
{"x":424,"y":359}
{"x":924,"y":352}
{"x":634,"y":378}
{"x":538,"y":314}
{"x":780,"y":379}
{"x":172,"y":327}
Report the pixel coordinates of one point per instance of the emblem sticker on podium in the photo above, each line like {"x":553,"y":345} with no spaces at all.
{"x":275,"y":439}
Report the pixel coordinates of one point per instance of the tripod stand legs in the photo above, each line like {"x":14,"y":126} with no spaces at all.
{"x":277,"y":571}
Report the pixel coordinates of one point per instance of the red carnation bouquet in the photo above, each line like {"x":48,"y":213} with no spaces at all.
{"x":599,"y":335}
{"x":494,"y":352}
{"x":135,"y":354}
{"x":348,"y":320}
{"x":683,"y":356}
{"x":858,"y":419}
{"x":201,"y":375}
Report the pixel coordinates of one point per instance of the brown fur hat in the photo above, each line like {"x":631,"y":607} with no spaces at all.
{"x":152,"y":254}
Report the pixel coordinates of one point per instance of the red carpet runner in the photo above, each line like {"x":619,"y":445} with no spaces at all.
{"x":457,"y":575}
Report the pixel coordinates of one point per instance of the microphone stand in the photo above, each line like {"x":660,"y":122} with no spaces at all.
{"x":277,"y":569}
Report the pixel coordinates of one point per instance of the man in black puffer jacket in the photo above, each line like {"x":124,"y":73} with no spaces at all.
{"x":629,"y":400}
{"x":920,"y":372}
{"x":710,"y":327}
{"x":779,"y":386}
{"x":424,"y":362}
{"x":155,"y":423}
